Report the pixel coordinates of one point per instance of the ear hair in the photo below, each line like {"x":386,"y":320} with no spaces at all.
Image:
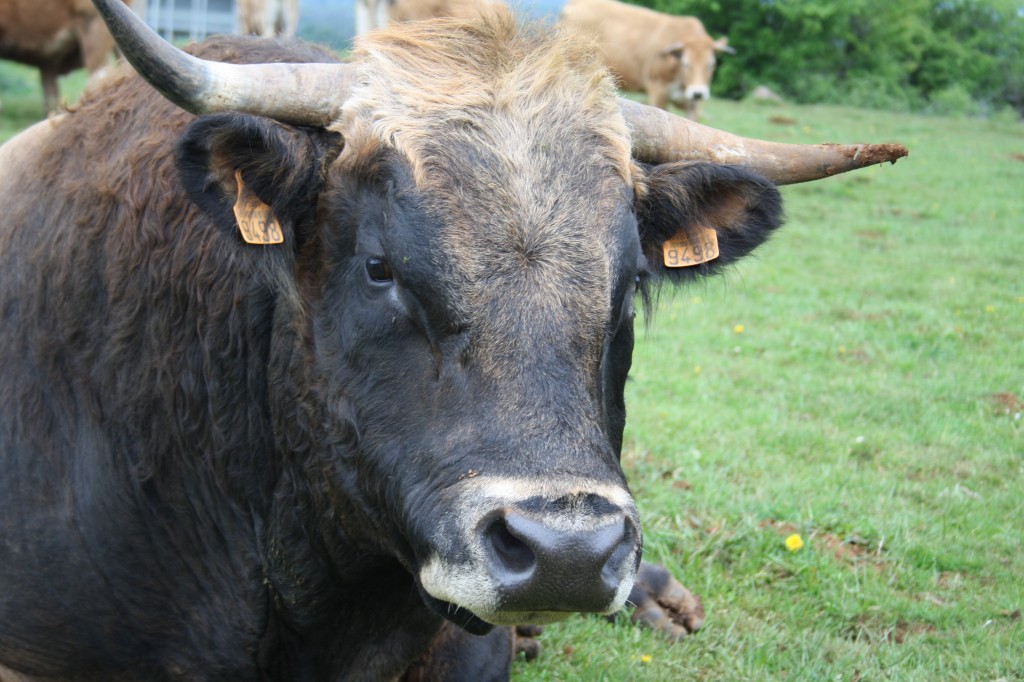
{"x":284,"y":166}
{"x":683,"y":200}
{"x":722,"y":45}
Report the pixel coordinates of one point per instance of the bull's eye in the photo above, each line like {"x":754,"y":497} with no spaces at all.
{"x":378,"y":269}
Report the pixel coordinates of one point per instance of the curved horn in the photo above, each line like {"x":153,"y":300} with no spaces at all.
{"x":303,"y":94}
{"x":660,"y":137}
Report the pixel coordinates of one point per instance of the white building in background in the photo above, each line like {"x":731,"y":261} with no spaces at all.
{"x":189,"y":19}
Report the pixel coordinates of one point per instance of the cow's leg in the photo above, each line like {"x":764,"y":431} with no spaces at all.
{"x":664,"y":604}
{"x":657,"y":96}
{"x":693,"y":109}
{"x":457,"y":656}
{"x":96,"y":43}
{"x":364,"y":10}
{"x":290,"y":18}
{"x":51,"y":95}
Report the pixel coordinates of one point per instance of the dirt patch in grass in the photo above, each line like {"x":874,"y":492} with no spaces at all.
{"x":1006,"y":403}
{"x":867,"y":628}
{"x":950,"y":580}
{"x":849,"y":314}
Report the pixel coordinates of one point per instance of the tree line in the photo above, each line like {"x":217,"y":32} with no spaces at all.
{"x":943,"y":56}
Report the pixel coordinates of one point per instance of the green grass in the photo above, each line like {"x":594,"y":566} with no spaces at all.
{"x":21,"y":95}
{"x":855,"y":407}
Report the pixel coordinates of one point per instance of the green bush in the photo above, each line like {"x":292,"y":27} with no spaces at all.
{"x":954,"y":100}
{"x":920,"y":55}
{"x":866,"y":90}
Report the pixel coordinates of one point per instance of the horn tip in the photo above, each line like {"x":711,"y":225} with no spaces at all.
{"x":880,"y":153}
{"x":864,"y":155}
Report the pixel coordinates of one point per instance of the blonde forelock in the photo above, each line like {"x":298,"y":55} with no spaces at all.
{"x":421,"y":80}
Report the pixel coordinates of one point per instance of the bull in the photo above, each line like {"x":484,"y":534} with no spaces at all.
{"x":268,"y":17}
{"x":670,"y":58}
{"x":314,"y":371}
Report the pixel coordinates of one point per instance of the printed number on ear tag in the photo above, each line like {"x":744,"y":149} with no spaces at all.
{"x":683,"y":251}
{"x":256,"y":220}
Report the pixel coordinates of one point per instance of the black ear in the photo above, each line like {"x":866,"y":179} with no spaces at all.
{"x":687,"y":211}
{"x":282,"y":168}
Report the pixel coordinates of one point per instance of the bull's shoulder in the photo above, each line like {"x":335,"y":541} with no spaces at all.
{"x":20,"y":150}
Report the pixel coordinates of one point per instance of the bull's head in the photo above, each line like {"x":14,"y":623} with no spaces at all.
{"x":469,"y":216}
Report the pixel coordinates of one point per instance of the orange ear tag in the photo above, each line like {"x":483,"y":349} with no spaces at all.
{"x":256,"y":220}
{"x":683,"y":252}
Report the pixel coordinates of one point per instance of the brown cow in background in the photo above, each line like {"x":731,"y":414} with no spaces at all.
{"x":268,"y":17}
{"x":670,"y":58}
{"x":56,"y":36}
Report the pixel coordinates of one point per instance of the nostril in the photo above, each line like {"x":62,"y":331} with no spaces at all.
{"x":612,"y":570}
{"x":512,"y":553}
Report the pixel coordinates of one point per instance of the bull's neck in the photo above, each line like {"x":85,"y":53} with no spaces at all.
{"x":331,"y":593}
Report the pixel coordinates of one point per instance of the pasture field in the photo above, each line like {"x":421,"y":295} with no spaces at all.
{"x":859,"y":381}
{"x":21,"y":95}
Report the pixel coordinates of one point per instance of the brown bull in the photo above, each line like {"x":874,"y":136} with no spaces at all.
{"x":56,"y":36}
{"x":671,"y":58}
{"x":268,"y":17}
{"x":318,"y":372}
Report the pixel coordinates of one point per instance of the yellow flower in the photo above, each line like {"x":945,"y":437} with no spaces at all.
{"x":794,"y":542}
{"x":990,"y":309}
{"x":738,"y":329}
{"x":646,"y":658}
{"x":696,"y":369}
